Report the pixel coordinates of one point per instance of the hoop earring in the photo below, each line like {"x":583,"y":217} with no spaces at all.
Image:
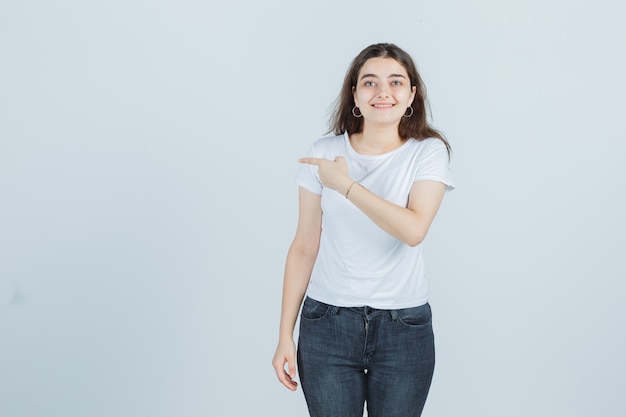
{"x":354,"y":112}
{"x":410,"y":114}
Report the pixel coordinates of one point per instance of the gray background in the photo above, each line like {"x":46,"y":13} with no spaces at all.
{"x":147,"y":150}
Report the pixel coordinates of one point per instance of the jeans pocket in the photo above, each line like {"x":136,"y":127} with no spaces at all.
{"x":313,"y":309}
{"x":415,"y":316}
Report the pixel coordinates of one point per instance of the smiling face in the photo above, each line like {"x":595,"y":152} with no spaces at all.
{"x":383,"y":92}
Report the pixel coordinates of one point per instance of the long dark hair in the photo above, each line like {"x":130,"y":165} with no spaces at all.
{"x":416,"y":126}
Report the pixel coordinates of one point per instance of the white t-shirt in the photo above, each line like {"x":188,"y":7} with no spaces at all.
{"x":358,"y":263}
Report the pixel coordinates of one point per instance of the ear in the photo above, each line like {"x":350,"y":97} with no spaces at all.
{"x":356,"y":102}
{"x":413,"y":91}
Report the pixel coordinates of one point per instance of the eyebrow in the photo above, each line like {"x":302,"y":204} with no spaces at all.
{"x":376,"y":76}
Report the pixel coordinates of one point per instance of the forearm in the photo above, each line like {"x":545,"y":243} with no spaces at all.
{"x":408,"y":224}
{"x":297,"y":274}
{"x":402,"y":223}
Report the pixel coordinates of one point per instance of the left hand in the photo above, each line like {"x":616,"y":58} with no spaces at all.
{"x":333,"y":174}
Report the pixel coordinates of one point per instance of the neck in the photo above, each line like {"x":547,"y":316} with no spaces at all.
{"x":375,"y":140}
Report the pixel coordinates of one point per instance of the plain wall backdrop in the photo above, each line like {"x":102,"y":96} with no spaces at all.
{"x":147,"y":150}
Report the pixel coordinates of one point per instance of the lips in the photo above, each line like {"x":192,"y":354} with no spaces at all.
{"x":382,"y":105}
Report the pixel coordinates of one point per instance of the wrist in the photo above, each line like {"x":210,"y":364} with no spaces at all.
{"x":351,"y":188}
{"x":346,"y":187}
{"x":285,"y":339}
{"x":285,"y":334}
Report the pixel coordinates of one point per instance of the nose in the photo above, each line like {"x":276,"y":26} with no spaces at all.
{"x":383,"y":90}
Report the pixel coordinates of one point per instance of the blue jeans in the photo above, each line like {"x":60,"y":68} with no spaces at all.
{"x":350,"y":356}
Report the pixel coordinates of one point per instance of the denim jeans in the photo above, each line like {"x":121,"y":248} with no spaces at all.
{"x":352,"y":356}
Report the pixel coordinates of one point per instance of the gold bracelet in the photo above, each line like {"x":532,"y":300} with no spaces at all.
{"x":349,"y":188}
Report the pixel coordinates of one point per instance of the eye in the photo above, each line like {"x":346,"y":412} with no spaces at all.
{"x":396,"y":83}
{"x":368,"y":83}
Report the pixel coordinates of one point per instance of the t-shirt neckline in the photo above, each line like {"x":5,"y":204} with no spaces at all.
{"x":354,"y":153}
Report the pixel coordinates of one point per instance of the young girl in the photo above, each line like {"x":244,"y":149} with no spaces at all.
{"x":367,"y":198}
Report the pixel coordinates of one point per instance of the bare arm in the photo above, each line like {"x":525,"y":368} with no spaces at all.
{"x":408,"y":224}
{"x":300,"y":260}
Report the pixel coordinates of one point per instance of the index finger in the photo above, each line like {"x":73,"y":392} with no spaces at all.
{"x":285,"y":378}
{"x":312,"y":161}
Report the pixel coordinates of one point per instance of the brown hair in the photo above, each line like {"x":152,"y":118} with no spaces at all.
{"x":416,"y":126}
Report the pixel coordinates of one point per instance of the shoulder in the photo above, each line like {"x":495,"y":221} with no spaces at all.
{"x":328,"y":143}
{"x":433,"y":161}
{"x":432,"y":147}
{"x":427,"y":143}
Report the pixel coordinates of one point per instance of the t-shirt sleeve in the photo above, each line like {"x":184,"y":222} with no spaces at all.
{"x":307,"y":176}
{"x":434,"y":165}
